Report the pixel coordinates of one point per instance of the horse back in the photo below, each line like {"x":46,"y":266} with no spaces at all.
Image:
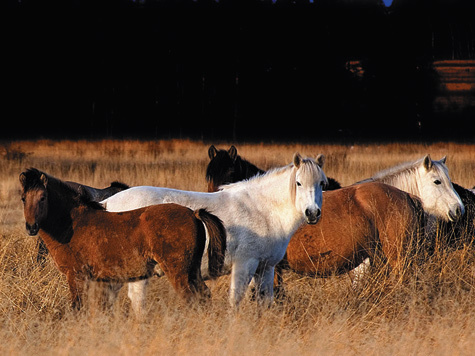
{"x":355,"y":220}
{"x":166,"y":232}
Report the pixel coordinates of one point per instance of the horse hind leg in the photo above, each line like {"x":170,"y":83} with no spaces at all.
{"x":189,"y":284}
{"x":137,"y":292}
{"x":358,"y":274}
{"x":197,"y":285}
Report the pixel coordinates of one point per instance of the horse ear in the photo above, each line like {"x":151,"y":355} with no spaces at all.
{"x":427,"y":163}
{"x":443,"y":160}
{"x":212,"y":151}
{"x":232,"y":152}
{"x":320,"y":160}
{"x":22,"y":178}
{"x":297,"y":160}
{"x":44,"y":179}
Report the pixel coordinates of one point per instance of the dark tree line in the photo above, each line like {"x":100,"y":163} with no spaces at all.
{"x":244,"y":69}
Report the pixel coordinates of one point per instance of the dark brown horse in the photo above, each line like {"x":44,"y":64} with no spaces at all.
{"x":462,"y":231}
{"x":88,"y":243}
{"x":227,"y":167}
{"x":357,"y":221}
{"x":93,"y":194}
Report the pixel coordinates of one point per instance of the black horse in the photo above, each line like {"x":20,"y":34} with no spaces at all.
{"x":227,"y":167}
{"x":461,"y":232}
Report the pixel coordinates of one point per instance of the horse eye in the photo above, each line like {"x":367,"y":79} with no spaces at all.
{"x":298,"y":184}
{"x":42,"y":199}
{"x":23,"y":199}
{"x":437,"y":182}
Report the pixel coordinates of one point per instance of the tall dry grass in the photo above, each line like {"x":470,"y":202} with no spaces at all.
{"x":430,"y":311}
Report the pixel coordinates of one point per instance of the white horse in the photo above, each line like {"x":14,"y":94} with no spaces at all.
{"x":260,"y":216}
{"x":429,"y":181}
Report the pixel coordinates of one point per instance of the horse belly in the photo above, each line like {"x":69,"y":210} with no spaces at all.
{"x":326,"y":248}
{"x":119,"y":269}
{"x":113,"y":256}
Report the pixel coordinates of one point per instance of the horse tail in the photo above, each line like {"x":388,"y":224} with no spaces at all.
{"x":217,"y":241}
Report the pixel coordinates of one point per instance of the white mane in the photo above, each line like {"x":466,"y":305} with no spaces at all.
{"x":428,"y":180}
{"x":404,"y":175}
{"x":257,"y":179}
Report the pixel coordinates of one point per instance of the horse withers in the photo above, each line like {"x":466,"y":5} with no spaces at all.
{"x":89,"y":243}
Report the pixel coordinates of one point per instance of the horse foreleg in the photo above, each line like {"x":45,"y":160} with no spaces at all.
{"x":75,"y":289}
{"x":110,"y":293}
{"x":279,"y":290}
{"x":42,"y":252}
{"x":264,"y":279}
{"x":137,"y":293}
{"x":241,"y":275}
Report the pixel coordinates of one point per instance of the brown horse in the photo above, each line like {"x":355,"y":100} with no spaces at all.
{"x":356,"y":222}
{"x":88,"y":243}
{"x":94,"y":194}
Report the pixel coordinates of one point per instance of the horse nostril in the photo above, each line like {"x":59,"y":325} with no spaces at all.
{"x":32,"y":229}
{"x":313,"y":213}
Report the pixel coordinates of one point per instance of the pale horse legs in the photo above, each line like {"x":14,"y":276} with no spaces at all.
{"x":242,"y":274}
{"x":358,"y":274}
{"x":136,"y":293}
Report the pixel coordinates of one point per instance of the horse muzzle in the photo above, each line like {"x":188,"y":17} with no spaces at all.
{"x":455,"y":214}
{"x":312,"y":215}
{"x":32,"y":229}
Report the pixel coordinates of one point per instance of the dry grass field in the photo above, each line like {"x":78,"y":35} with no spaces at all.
{"x":432,"y":312}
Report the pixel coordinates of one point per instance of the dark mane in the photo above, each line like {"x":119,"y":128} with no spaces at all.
{"x":226,"y":166}
{"x":32,"y":180}
{"x":85,"y":200}
{"x":119,"y":185}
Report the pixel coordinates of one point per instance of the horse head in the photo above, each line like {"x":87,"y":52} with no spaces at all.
{"x":221,"y":168}
{"x":437,"y":193}
{"x":307,"y":185}
{"x":35,"y":199}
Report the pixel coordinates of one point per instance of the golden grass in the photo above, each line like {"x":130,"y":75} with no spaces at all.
{"x":430,"y":312}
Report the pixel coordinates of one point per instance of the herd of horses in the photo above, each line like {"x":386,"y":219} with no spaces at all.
{"x":251,"y":223}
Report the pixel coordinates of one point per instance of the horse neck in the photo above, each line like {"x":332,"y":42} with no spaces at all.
{"x":407,"y":181}
{"x":247,"y":169}
{"x":58,"y":223}
{"x":276,"y":190}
